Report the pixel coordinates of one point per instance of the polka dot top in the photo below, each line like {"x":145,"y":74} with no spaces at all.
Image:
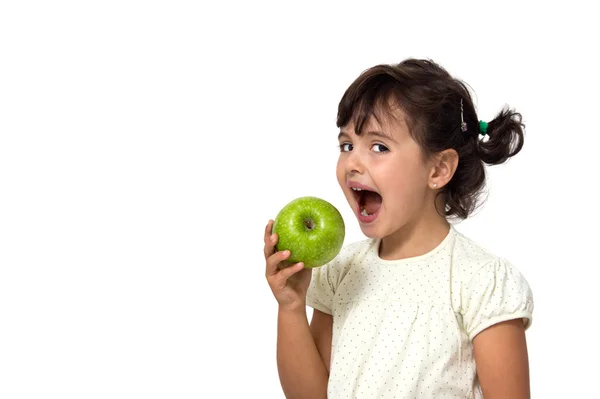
{"x":403,"y":329}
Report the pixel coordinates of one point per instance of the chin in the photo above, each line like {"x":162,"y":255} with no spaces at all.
{"x":371,"y":232}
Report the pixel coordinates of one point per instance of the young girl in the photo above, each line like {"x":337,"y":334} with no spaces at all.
{"x":416,"y":310}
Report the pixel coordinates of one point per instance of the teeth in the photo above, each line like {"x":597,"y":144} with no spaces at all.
{"x":364,"y":212}
{"x":356,"y":189}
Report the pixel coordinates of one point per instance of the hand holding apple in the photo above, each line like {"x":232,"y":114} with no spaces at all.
{"x":289,"y":283}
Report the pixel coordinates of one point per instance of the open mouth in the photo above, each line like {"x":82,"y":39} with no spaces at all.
{"x":369,"y":202}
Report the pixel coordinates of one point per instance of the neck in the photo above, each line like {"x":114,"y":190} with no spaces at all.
{"x":417,"y":237}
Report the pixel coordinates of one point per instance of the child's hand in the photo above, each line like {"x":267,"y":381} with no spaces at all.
{"x":289,"y":283}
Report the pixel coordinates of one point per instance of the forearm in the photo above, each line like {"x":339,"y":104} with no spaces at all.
{"x":301,"y":369}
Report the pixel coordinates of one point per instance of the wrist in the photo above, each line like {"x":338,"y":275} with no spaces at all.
{"x":297,"y":309}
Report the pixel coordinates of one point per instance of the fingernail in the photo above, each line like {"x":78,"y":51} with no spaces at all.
{"x":286,"y":252}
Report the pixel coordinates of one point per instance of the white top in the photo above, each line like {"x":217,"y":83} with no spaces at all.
{"x":403,"y":329}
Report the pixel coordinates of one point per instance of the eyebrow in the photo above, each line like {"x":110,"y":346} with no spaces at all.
{"x":370,"y":133}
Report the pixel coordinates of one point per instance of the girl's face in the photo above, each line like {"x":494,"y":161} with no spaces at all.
{"x":382,"y":175}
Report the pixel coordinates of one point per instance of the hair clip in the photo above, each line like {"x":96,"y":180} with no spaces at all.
{"x":463,"y":125}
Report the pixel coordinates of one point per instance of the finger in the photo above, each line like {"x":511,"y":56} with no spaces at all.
{"x":274,"y":260}
{"x":285,"y":274}
{"x":268,"y":230}
{"x":290,"y":271}
{"x":270,"y":245}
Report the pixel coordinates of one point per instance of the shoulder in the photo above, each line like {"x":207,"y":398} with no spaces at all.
{"x":487,"y":288}
{"x":356,"y":249}
{"x":326,"y":279}
{"x":475,"y":267}
{"x":469,"y":257}
{"x":351,"y":254}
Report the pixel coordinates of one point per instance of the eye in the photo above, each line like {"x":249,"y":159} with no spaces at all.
{"x":346,"y":147}
{"x":380,"y":148}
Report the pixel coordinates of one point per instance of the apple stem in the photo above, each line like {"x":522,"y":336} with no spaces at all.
{"x":309,"y":224}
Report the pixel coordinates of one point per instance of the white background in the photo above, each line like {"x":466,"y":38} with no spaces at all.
{"x":144,"y":146}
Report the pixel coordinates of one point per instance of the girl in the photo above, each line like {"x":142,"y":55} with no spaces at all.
{"x":416,"y":310}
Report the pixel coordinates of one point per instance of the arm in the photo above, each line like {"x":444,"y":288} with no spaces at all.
{"x":302,"y":371}
{"x":321,"y":327}
{"x":502,"y":360}
{"x":301,"y":349}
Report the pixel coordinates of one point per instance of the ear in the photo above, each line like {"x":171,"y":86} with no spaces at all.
{"x":444,"y":165}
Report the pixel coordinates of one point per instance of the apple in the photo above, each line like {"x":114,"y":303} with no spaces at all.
{"x":312,"y":229}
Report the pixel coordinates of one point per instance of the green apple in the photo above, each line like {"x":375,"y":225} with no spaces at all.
{"x":312,"y":229}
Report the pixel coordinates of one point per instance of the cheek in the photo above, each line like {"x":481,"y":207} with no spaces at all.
{"x":340,"y":172}
{"x":403,"y":198}
{"x":405,"y":183}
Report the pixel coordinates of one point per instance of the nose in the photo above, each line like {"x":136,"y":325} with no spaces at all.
{"x":354,"y":163}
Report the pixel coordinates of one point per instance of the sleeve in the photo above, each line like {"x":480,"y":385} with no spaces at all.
{"x":321,"y":289}
{"x":326,"y":279}
{"x":497,"y":292}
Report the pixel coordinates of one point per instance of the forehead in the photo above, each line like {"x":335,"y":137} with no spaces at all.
{"x":389,"y":120}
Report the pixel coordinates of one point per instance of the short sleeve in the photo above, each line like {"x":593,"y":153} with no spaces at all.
{"x":497,"y":292}
{"x":325,"y":279}
{"x":321,"y":290}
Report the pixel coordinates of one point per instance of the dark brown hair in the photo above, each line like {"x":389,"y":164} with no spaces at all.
{"x":431,"y":101}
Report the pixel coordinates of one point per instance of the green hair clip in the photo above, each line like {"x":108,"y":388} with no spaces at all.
{"x":483,"y":127}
